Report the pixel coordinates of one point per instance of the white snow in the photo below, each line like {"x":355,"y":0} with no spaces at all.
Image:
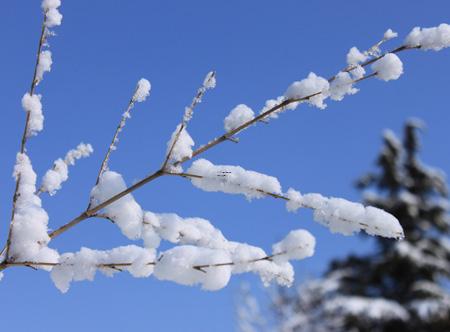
{"x":345,"y":217}
{"x":82,"y":151}
{"x":389,"y":34}
{"x":358,"y":72}
{"x":309,"y":86}
{"x":183,"y":146}
{"x":247,"y":258}
{"x":389,"y":67}
{"x":238,"y":116}
{"x":373,"y":308}
{"x":52,"y":16}
{"x":295,"y":200}
{"x":271,"y":103}
{"x":298,"y":244}
{"x":125,"y":212}
{"x":44,"y":65}
{"x":32,"y":104}
{"x":355,"y":57}
{"x":84,"y":264}
{"x":177,"y":264}
{"x":232,"y":180}
{"x":29,"y":236}
{"x":435,"y":38}
{"x":341,"y":85}
{"x":55,"y":176}
{"x":142,"y":90}
{"x":432,"y":309}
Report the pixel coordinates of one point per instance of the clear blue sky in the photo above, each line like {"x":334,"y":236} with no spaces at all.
{"x":257,"y":48}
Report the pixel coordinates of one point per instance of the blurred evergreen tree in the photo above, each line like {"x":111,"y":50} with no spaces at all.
{"x":402,"y":285}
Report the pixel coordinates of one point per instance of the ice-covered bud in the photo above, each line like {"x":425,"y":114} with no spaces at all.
{"x":313,"y":87}
{"x":297,"y":244}
{"x":32,"y":104}
{"x":238,"y":116}
{"x":142,"y":90}
{"x":435,"y":38}
{"x":354,"y":56}
{"x":389,"y":67}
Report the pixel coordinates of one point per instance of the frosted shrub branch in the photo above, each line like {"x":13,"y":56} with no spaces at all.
{"x":200,"y":254}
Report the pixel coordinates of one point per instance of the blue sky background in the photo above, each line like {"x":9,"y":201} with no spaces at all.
{"x":257,"y":48}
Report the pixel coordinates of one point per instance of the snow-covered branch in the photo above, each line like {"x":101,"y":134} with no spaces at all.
{"x":200,"y":253}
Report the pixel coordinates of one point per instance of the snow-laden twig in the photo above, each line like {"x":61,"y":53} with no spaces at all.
{"x":338,"y":214}
{"x":140,"y":94}
{"x":59,"y":173}
{"x":180,"y":144}
{"x":32,"y":109}
{"x":181,"y":263}
{"x":201,"y":254}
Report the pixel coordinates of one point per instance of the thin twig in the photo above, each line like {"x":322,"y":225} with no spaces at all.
{"x":186,"y":118}
{"x":25,"y":133}
{"x":125,"y":116}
